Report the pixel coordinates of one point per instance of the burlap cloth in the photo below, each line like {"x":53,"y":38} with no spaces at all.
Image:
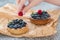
{"x":8,"y":13}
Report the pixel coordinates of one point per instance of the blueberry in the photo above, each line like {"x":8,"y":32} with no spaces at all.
{"x":42,"y":17}
{"x":34,"y":17}
{"x":44,"y":12}
{"x":25,"y":23}
{"x":20,"y":20}
{"x":22,"y":25}
{"x":16,"y":21}
{"x":38,"y":17}
{"x":18,"y":26}
{"x":45,"y":17}
{"x":10,"y":26}
{"x":15,"y":26}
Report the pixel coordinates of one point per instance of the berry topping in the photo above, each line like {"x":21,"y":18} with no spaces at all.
{"x":40,"y":12}
{"x":44,"y":15}
{"x":20,"y":14}
{"x":17,"y":24}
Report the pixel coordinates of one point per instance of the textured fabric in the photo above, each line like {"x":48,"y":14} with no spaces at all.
{"x":55,"y":37}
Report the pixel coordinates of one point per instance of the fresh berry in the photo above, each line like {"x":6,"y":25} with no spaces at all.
{"x":37,"y":17}
{"x":20,"y":14}
{"x":17,"y":24}
{"x":43,"y":16}
{"x":10,"y":26}
{"x":20,"y":20}
{"x":24,"y":23}
{"x":44,"y":12}
{"x":39,"y":12}
{"x":16,"y":21}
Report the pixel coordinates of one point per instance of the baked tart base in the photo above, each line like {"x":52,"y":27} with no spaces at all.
{"x":40,"y":22}
{"x":18,"y":31}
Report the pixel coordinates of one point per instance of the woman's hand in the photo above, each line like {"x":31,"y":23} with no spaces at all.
{"x":22,"y":7}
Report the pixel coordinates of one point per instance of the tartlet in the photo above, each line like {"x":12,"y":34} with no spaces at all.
{"x":17,"y":27}
{"x":40,"y":17}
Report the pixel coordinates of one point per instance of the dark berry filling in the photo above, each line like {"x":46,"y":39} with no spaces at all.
{"x":40,"y":15}
{"x":17,"y":24}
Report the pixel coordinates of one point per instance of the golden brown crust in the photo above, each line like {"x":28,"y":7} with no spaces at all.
{"x":40,"y":22}
{"x":18,"y":31}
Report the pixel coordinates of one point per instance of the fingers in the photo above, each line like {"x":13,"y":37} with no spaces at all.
{"x":17,"y":2}
{"x":21,"y":5}
{"x":32,"y":3}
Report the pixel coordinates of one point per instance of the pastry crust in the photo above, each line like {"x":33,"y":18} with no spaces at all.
{"x":18,"y":31}
{"x":40,"y":22}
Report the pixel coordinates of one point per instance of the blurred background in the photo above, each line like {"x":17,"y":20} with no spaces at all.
{"x":3,"y":2}
{"x":43,"y":6}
